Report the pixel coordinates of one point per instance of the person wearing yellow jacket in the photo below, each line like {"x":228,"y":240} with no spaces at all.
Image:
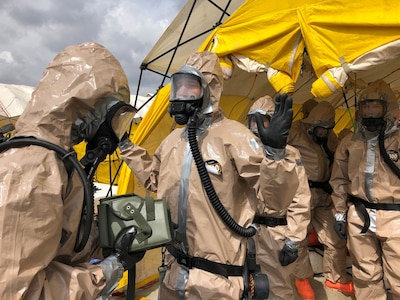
{"x":316,"y":141}
{"x":280,"y":232}
{"x":366,"y":191}
{"x":208,"y":259}
{"x":47,"y":237}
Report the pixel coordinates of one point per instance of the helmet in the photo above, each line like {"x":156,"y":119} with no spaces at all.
{"x":189,"y":93}
{"x":265,"y":106}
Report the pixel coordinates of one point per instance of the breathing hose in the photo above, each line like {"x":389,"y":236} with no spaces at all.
{"x":87,"y":207}
{"x":384,"y":154}
{"x":207,"y":184}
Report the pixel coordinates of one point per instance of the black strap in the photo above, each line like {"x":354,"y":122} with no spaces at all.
{"x":321,"y":185}
{"x":130,"y":291}
{"x":270,"y":221}
{"x":87,"y":207}
{"x":361,"y":206}
{"x":384,"y":154}
{"x":328,"y":152}
{"x":205,"y":264}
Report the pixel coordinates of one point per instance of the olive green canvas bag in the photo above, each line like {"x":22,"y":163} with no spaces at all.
{"x":151,"y":218}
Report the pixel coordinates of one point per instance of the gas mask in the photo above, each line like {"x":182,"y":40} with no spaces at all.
{"x":186,"y":96}
{"x":372,"y":124}
{"x":103,"y":128}
{"x":372,"y":114}
{"x":319,"y":134}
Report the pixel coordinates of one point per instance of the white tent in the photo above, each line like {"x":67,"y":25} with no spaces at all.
{"x":141,"y":103}
{"x":13,"y":100}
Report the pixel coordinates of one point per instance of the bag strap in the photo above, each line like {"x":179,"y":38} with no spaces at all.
{"x":150,"y":209}
{"x":143,"y":227}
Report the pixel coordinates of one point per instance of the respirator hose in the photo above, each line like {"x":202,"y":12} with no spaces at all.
{"x":386,"y":158}
{"x":207,"y":184}
{"x":87,"y":208}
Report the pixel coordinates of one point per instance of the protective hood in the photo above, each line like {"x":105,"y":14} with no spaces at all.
{"x":264,"y":105}
{"x":209,"y":65}
{"x":308,"y":106}
{"x":380,"y":90}
{"x":322,"y":115}
{"x":79,"y":78}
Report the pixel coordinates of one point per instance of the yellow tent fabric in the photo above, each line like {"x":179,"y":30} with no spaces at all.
{"x":152,"y":118}
{"x":334,"y":33}
{"x":300,"y":43}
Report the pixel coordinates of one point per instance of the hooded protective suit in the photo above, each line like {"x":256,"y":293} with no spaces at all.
{"x":41,"y":204}
{"x":239,"y":172}
{"x":271,"y":239}
{"x":360,"y":172}
{"x":317,"y":159}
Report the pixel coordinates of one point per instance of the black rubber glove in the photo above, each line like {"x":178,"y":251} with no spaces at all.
{"x":113,"y":266}
{"x":340,"y":228}
{"x":288,"y":254}
{"x":277,"y":132}
{"x":127,"y":259}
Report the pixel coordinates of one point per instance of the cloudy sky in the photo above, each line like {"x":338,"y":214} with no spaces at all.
{"x":33,"y":32}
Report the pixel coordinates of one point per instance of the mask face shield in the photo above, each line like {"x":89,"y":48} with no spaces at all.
{"x":103,"y":129}
{"x":320,"y":133}
{"x":120,"y":117}
{"x":186,"y":96}
{"x":185,"y":87}
{"x":372,"y":114}
{"x":372,"y":109}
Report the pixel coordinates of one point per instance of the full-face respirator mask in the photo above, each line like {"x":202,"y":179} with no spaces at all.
{"x":372,"y":114}
{"x":103,"y":129}
{"x":319,"y":134}
{"x":186,"y":96}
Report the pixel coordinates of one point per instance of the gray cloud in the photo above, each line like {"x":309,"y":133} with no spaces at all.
{"x":33,"y":32}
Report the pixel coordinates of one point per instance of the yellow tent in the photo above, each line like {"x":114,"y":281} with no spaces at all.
{"x":328,"y":50}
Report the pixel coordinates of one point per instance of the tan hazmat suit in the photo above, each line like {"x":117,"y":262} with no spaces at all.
{"x":239,"y":171}
{"x":360,"y":171}
{"x":40,"y":204}
{"x":271,"y":239}
{"x":318,"y":168}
